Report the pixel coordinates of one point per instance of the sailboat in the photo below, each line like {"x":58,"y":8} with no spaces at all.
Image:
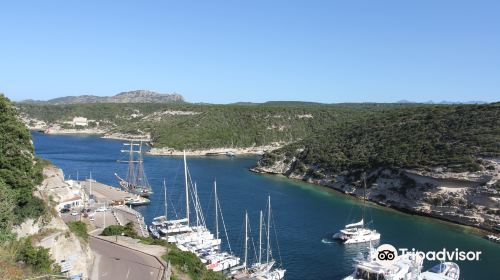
{"x":260,"y":270}
{"x":171,"y":230}
{"x":357,"y":232}
{"x":217,"y":260}
{"x":136,"y":181}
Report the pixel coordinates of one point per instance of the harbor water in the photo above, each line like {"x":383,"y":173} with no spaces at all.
{"x":305,"y":215}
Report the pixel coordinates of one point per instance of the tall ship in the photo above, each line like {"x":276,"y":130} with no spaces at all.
{"x":136,"y":181}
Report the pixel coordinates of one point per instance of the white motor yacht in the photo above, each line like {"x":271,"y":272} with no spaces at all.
{"x":405,"y":267}
{"x":442,"y":271}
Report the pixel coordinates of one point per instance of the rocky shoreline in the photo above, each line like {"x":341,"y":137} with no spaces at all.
{"x":457,"y":198}
{"x":254,"y":150}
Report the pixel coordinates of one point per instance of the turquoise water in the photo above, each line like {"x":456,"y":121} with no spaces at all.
{"x":304,"y":214}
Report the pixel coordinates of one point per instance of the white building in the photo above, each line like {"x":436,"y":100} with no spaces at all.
{"x":72,"y":202}
{"x":80,"y":121}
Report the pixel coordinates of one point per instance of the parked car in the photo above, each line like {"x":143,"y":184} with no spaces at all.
{"x":65,"y":210}
{"x":101,"y":209}
{"x":74,"y":213}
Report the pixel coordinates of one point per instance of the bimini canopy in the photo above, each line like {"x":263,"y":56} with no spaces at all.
{"x":358,"y":224}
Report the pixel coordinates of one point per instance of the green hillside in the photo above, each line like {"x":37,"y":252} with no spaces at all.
{"x":409,"y":137}
{"x":209,"y":126}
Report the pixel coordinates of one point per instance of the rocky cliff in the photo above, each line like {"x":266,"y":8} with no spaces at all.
{"x":468,"y":198}
{"x":51,"y":232}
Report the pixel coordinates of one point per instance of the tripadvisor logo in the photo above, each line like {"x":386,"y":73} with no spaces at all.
{"x":445,"y":255}
{"x":387,"y":254}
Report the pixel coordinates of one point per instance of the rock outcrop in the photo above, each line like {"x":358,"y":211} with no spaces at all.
{"x":51,"y":232}
{"x":468,"y":198}
{"x":136,"y":96}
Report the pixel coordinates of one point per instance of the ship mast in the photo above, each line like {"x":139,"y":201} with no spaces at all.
{"x":268,"y":227}
{"x":130,"y":176}
{"x":165,"y":198}
{"x":187,"y":188}
{"x":139,"y":177}
{"x":260,"y":237}
{"x":246,"y":239}
{"x":364,"y":198}
{"x":216,"y":211}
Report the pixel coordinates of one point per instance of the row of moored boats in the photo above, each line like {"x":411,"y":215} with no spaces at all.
{"x":191,"y":234}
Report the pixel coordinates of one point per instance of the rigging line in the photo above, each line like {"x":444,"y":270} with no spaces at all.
{"x":199,"y":211}
{"x":240,"y":237}
{"x":224,"y":224}
{"x":276,"y":237}
{"x":173,"y":208}
{"x":251,"y":238}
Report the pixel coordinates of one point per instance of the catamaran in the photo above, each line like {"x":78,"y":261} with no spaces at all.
{"x":357,"y":232}
{"x":136,"y":181}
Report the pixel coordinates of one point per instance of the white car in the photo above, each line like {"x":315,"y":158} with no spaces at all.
{"x":74,"y":213}
{"x":101,"y":209}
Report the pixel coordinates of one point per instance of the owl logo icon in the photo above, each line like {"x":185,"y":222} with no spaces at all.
{"x":386,"y":255}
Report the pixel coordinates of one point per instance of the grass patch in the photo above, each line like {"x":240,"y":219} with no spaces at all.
{"x":79,"y":229}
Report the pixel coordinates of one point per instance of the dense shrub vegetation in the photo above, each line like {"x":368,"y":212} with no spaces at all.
{"x":411,"y":137}
{"x":127,"y":230}
{"x":20,"y":172}
{"x":208,"y":126}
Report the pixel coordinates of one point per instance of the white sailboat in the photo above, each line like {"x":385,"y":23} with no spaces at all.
{"x":357,"y":232}
{"x":217,"y":260}
{"x":260,"y":270}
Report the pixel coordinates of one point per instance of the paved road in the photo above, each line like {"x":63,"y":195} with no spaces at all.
{"x":116,"y":262}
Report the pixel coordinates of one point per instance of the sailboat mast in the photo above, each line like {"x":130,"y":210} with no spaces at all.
{"x":138,"y":176}
{"x":216,"y":211}
{"x":246,"y":239}
{"x":260,"y":237}
{"x":90,"y":187}
{"x":196,"y":205}
{"x":364,"y":196}
{"x":131,"y":176}
{"x":165,"y":198}
{"x":187,"y":188}
{"x":268,"y":227}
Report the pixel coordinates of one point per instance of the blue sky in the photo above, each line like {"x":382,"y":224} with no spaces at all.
{"x":228,"y":51}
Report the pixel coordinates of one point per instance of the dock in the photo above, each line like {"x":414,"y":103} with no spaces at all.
{"x":113,"y":199}
{"x":102,"y":193}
